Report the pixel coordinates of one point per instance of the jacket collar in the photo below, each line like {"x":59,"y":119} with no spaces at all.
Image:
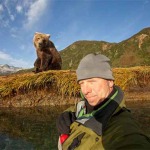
{"x":98,"y":118}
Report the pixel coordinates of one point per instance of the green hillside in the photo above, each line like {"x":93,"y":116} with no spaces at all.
{"x":134,"y":51}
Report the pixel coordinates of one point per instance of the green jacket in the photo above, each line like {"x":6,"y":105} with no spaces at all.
{"x":110,"y":127}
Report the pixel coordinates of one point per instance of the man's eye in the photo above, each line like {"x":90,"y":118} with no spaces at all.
{"x":80,"y":83}
{"x":92,"y":81}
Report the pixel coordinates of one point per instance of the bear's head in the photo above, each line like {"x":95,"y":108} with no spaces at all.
{"x":41,"y":40}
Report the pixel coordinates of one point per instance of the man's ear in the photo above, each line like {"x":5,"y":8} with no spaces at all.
{"x":110,"y":83}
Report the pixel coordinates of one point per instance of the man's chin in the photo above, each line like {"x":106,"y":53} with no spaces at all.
{"x":92,"y":102}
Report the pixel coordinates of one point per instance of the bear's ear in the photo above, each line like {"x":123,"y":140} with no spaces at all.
{"x":48,"y":35}
{"x":37,"y":33}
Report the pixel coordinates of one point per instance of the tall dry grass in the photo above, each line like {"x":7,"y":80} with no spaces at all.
{"x":63,"y":82}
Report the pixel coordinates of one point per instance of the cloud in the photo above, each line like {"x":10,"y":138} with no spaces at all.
{"x":13,"y":35}
{"x":146,"y":2}
{"x":7,"y":59}
{"x":4,"y":56}
{"x":22,"y":47}
{"x":8,"y":6}
{"x":4,"y":23}
{"x":12,"y":17}
{"x":35,"y":12}
{"x":1,"y":8}
{"x":19,"y":8}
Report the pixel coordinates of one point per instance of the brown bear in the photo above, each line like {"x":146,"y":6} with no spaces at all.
{"x":48,"y":58}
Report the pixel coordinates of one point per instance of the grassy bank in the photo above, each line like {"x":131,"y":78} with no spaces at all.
{"x":62,"y":84}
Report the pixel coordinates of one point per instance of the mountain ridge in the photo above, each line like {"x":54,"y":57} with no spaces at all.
{"x":134,"y":51}
{"x":131,"y":52}
{"x":7,"y":69}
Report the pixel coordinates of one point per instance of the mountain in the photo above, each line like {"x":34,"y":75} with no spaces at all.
{"x":134,"y":51}
{"x":131,"y":52}
{"x":6,"y":69}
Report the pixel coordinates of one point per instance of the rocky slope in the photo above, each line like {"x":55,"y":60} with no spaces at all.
{"x":6,"y":69}
{"x":134,"y":51}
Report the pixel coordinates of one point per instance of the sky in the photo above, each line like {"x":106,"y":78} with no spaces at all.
{"x":67,"y":21}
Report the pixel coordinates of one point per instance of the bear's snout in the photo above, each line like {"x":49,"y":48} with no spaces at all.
{"x":42,"y":43}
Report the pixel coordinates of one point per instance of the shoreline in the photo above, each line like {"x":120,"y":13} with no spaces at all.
{"x":48,"y":99}
{"x":51,"y":88}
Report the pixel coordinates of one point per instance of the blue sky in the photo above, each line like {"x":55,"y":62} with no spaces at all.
{"x":66,"y":21}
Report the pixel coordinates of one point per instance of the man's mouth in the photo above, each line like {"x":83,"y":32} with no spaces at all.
{"x":89,"y":97}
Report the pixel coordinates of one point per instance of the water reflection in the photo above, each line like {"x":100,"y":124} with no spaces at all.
{"x":35,"y":128}
{"x":29,"y":128}
{"x":10,"y":143}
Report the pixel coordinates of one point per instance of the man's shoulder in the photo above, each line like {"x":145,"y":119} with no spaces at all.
{"x":126,"y":132}
{"x":123,"y":125}
{"x":123,"y":118}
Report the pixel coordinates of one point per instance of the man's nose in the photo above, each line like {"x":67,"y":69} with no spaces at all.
{"x":86,"y":89}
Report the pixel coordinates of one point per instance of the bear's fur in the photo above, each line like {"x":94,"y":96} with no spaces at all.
{"x":48,"y":58}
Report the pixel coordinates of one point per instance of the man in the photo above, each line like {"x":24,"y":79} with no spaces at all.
{"x":100,"y":121}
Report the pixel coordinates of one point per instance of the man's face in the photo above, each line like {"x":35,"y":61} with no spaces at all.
{"x":95,"y":90}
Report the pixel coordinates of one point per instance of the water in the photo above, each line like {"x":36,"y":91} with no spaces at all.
{"x":35,"y":128}
{"x":29,"y":128}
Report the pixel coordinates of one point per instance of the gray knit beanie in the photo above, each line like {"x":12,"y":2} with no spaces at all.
{"x":94,"y":66}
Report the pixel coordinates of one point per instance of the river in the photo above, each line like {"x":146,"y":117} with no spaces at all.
{"x":35,"y":128}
